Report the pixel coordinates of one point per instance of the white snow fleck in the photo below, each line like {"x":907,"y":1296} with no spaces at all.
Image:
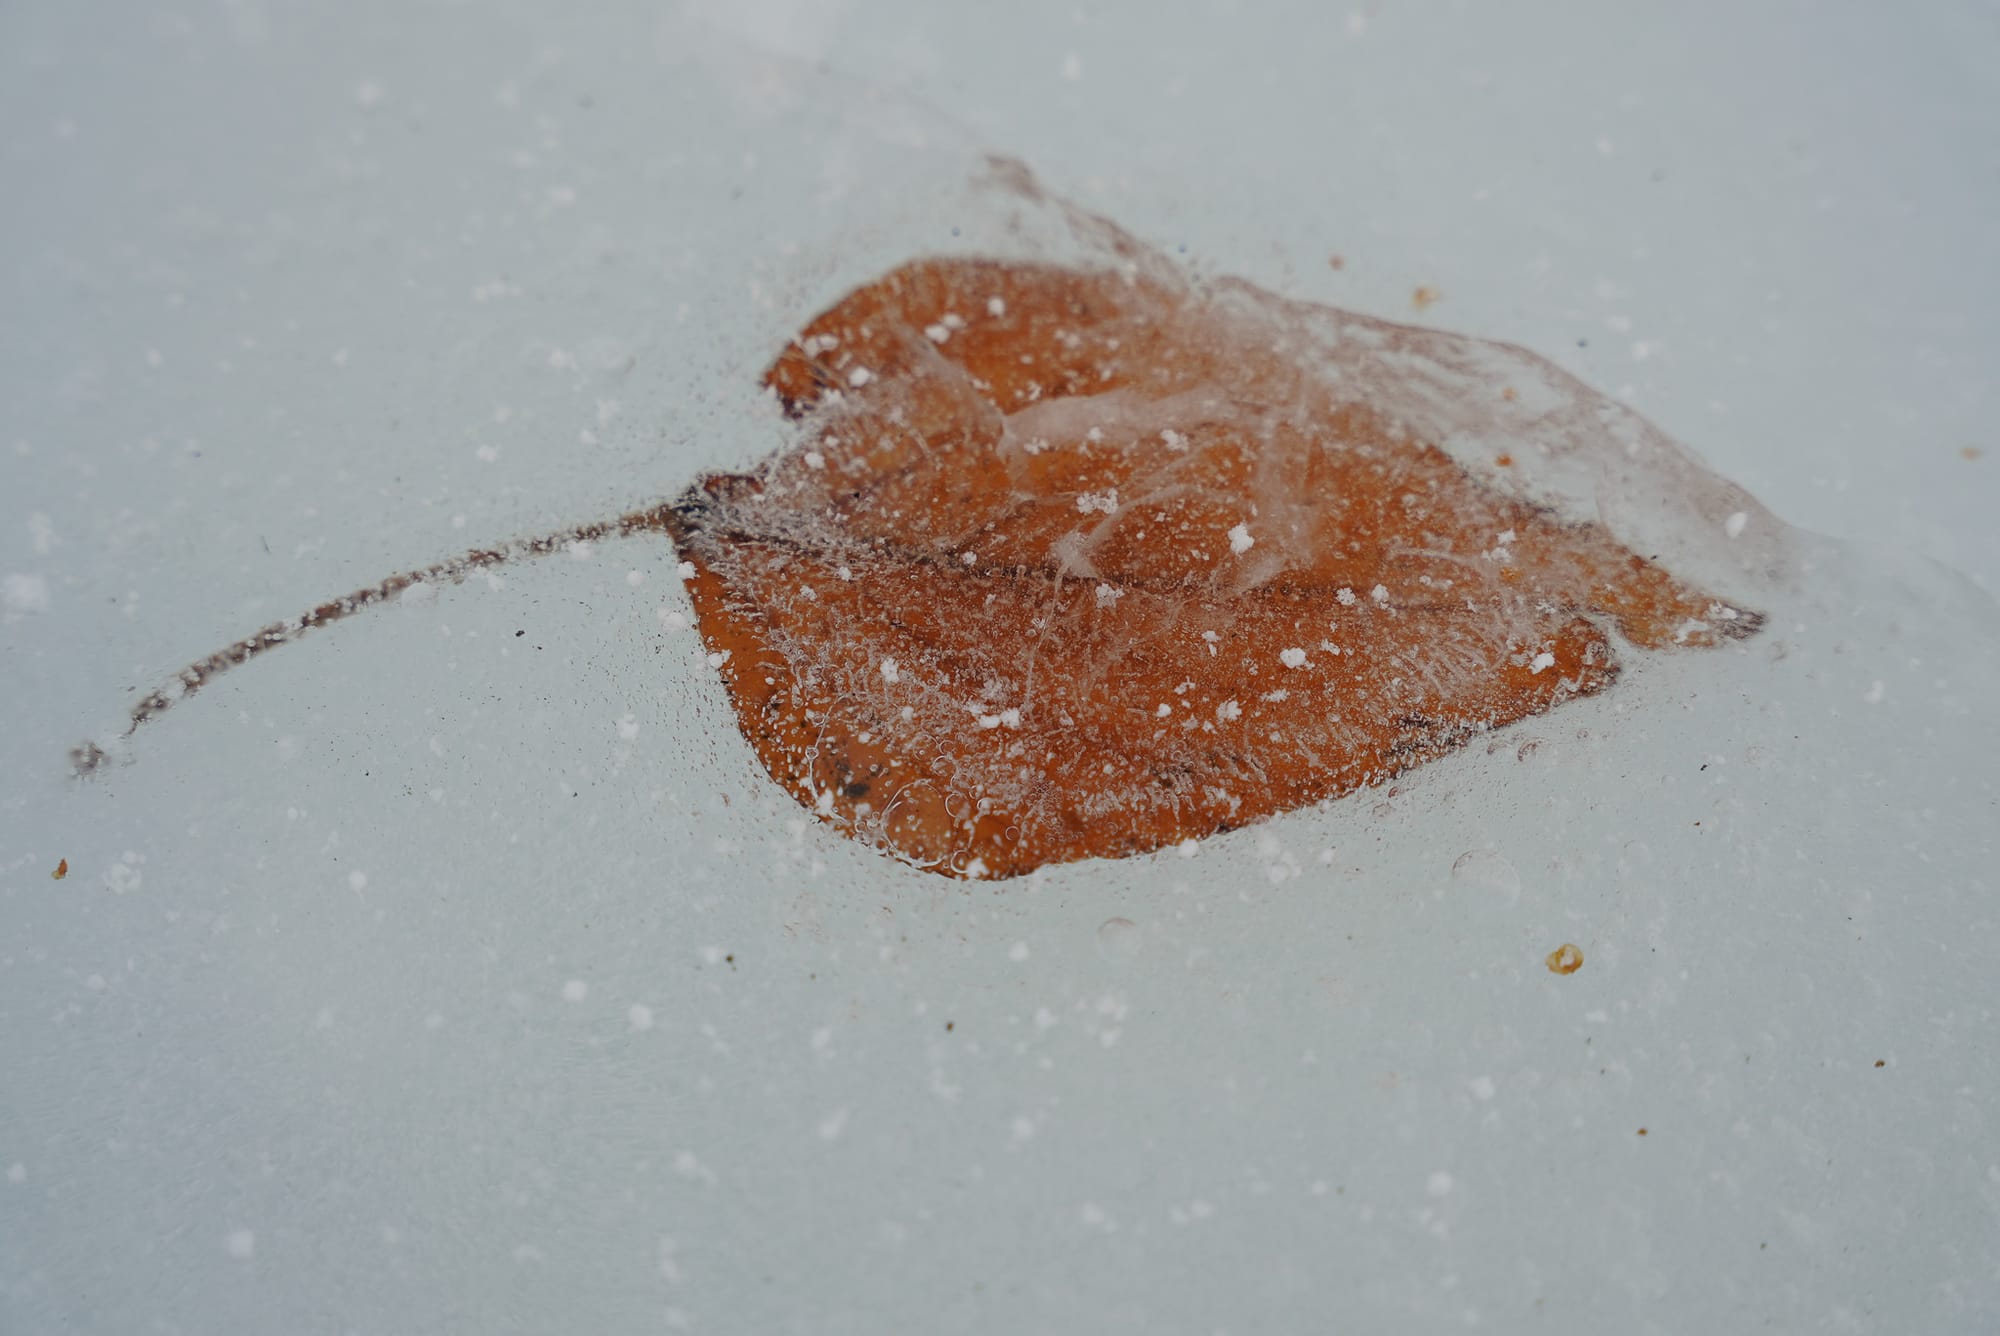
{"x":685,"y":570}
{"x":124,"y":877}
{"x":640,"y":1016}
{"x":1240,"y":540}
{"x":242,"y":1244}
{"x":860,"y":376}
{"x":25,"y":593}
{"x":1439,"y":1184}
{"x":357,"y":881}
{"x":1108,"y":595}
{"x":717,"y":659}
{"x":1541,"y":661}
{"x":1106,"y":501}
{"x":1228,"y":710}
{"x":672,"y":619}
{"x":1734,"y":525}
{"x":1293,"y":657}
{"x":575,"y":990}
{"x":628,"y":727}
{"x":1164,"y":710}
{"x":937,"y":333}
{"x":1018,"y":951}
{"x":831,"y":1126}
{"x":815,"y":460}
{"x":890,"y":672}
{"x":1481,"y":1087}
{"x":995,"y":306}
{"x":1380,"y":593}
{"x":1346,"y":597}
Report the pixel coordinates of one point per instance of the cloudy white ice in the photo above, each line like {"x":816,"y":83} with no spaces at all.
{"x":460,"y":970}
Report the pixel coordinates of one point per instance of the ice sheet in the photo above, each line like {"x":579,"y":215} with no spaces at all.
{"x":433,"y":976}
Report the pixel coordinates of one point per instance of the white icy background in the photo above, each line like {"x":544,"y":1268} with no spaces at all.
{"x":391,"y":987}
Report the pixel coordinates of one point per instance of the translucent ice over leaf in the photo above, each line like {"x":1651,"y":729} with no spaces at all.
{"x":1085,"y":557}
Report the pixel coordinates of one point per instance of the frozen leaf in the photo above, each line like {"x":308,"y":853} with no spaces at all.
{"x":1098,"y":437}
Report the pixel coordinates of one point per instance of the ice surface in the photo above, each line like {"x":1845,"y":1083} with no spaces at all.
{"x":1320,"y":1075}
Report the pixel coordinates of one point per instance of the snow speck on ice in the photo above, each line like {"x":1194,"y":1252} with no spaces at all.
{"x":24,"y":593}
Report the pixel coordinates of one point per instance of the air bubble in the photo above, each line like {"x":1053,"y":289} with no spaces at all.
{"x":1118,"y":939}
{"x":1486,"y":871}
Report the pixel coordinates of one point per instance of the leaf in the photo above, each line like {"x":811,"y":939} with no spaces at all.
{"x":1073,"y":563}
